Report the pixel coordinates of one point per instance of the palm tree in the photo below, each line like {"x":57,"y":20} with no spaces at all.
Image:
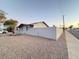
{"x":2,"y":16}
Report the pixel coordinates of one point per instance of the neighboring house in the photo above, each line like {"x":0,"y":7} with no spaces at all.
{"x":2,"y":27}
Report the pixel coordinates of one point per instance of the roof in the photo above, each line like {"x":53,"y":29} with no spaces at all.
{"x":21,"y":25}
{"x":41,"y":22}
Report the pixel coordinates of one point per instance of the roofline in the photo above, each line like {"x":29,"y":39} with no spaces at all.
{"x":40,"y":22}
{"x":23,"y":25}
{"x":34,"y":23}
{"x":45,"y":24}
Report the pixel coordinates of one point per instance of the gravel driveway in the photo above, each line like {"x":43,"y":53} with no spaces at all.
{"x":30,"y":47}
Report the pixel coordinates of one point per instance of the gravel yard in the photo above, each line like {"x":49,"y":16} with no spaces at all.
{"x":29,"y":47}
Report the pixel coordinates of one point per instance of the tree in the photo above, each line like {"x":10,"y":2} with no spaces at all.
{"x":2,"y":16}
{"x":10,"y":24}
{"x":78,"y":25}
{"x":71,"y":26}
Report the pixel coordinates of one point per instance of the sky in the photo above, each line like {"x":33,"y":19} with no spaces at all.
{"x":50,"y":11}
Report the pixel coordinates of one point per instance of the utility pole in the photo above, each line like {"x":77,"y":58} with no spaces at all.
{"x":63,"y":24}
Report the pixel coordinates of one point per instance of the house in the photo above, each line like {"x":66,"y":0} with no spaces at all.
{"x":2,"y":27}
{"x":40,"y":29}
{"x":40,"y":24}
{"x":33,"y":25}
{"x":2,"y":20}
{"x":24,"y":26}
{"x":37,"y":29}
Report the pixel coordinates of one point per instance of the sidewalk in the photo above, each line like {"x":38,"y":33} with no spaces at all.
{"x":73,"y":46}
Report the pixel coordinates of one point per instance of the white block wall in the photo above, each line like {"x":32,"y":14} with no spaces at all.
{"x":59,"y":32}
{"x":51,"y":32}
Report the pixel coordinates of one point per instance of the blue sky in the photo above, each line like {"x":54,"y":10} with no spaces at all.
{"x":50,"y":11}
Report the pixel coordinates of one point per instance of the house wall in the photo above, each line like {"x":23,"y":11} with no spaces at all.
{"x":1,"y":25}
{"x":51,"y":32}
{"x":42,"y":32}
{"x":39,"y":25}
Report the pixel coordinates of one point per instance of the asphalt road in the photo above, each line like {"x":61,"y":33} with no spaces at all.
{"x":75,"y":33}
